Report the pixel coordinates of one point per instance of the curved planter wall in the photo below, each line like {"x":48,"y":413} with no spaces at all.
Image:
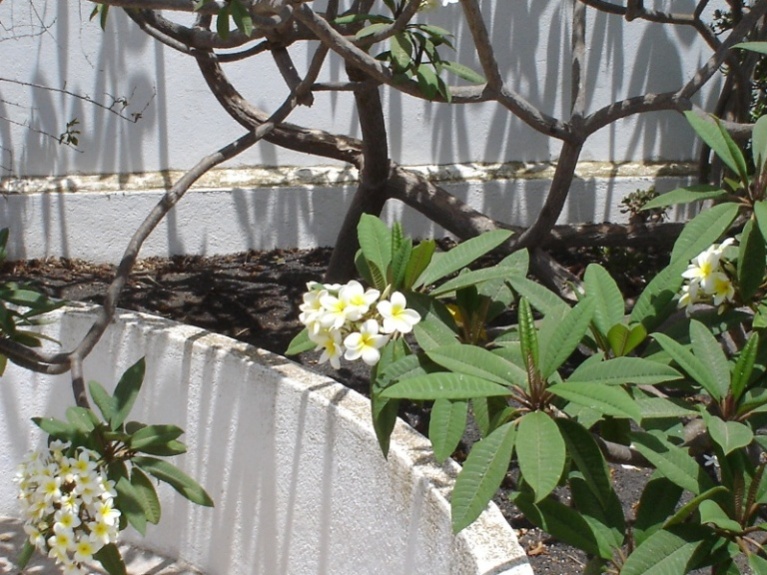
{"x":288,"y":456}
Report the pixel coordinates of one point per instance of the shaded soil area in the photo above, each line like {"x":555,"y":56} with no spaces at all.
{"x":254,"y":297}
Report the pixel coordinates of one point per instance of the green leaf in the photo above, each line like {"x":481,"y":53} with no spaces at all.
{"x":660,"y":408}
{"x":446,"y":426}
{"x":55,"y":428}
{"x":153,"y":435}
{"x":609,"y":400}
{"x":719,"y":141}
{"x":623,"y":340}
{"x":222,"y":22}
{"x":673,"y":462}
{"x":656,"y":302}
{"x":685,"y":195}
{"x":751,"y":261}
{"x":607,"y":522}
{"x":241,"y":17}
{"x":375,"y":242}
{"x":759,"y":143}
{"x":709,"y":353}
{"x":420,"y":258}
{"x":601,"y":287}
{"x":528,"y":337}
{"x":711,"y":512}
{"x":165,"y":449}
{"x":482,"y":474}
{"x":399,"y":263}
{"x":401,"y":50}
{"x":703,"y":230}
{"x":665,"y":552}
{"x":176,"y":478}
{"x":556,"y":347}
{"x":758,"y":47}
{"x":25,"y":555}
{"x":582,"y":448}
{"x":479,"y":362}
{"x":729,"y":435}
{"x":82,"y":419}
{"x":102,"y":399}
{"x":110,"y":559}
{"x":463,"y":72}
{"x":130,"y":504}
{"x":622,"y":370}
{"x":473,"y":278}
{"x":541,"y":453}
{"x":384,"y":412}
{"x":744,"y":367}
{"x":444,"y":386}
{"x":690,"y":506}
{"x":561,"y":521}
{"x":461,"y":256}
{"x":541,"y":298}
{"x":428,"y":81}
{"x":126,"y":392}
{"x":760,"y":212}
{"x":658,"y":502}
{"x":432,"y":333}
{"x":372,"y":29}
{"x":300,"y":343}
{"x":757,"y":564}
{"x":693,"y":366}
{"x":146,"y":495}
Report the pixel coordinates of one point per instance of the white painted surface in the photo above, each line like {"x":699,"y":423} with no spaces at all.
{"x":288,"y":456}
{"x":53,"y":44}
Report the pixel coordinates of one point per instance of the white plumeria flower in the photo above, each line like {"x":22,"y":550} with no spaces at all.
{"x":61,"y":542}
{"x":101,"y":533}
{"x":365,"y":343}
{"x":722,"y":288}
{"x":703,"y":268}
{"x":65,"y":520}
{"x":106,"y":513}
{"x":357,"y":299}
{"x":432,"y":4}
{"x":84,"y":550}
{"x":689,"y":296}
{"x":396,"y":316}
{"x":332,"y":349}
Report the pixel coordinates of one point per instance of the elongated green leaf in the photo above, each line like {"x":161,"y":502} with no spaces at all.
{"x":222,"y":22}
{"x":126,"y":392}
{"x":399,"y":262}
{"x":55,"y":428}
{"x":694,"y":367}
{"x":660,"y":408}
{"x":154,"y":435}
{"x":708,"y":352}
{"x":528,"y":337}
{"x":401,"y":50}
{"x":685,"y":196}
{"x":624,"y":339}
{"x":300,"y":343}
{"x":689,"y":507}
{"x":541,"y":453}
{"x":729,"y":435}
{"x":461,"y":256}
{"x":582,"y":448}
{"x":479,"y":362}
{"x":375,"y":241}
{"x":757,"y":564}
{"x":556,"y":347}
{"x":129,"y":502}
{"x":759,"y":143}
{"x":711,"y":132}
{"x":665,"y":552}
{"x":463,"y":72}
{"x":372,"y":29}
{"x":759,"y":47}
{"x":673,"y":462}
{"x":609,"y":400}
{"x":472,"y":278}
{"x":241,"y":17}
{"x":482,"y":474}
{"x":146,"y":495}
{"x":82,"y":419}
{"x":601,"y":287}
{"x":444,"y":386}
{"x":25,"y":555}
{"x":165,"y":449}
{"x":607,"y":522}
{"x":446,"y":426}
{"x":432,"y":333}
{"x":705,"y":229}
{"x":174,"y":477}
{"x":111,"y":560}
{"x":760,"y":212}
{"x":658,"y":502}
{"x":428,"y":81}
{"x":621,"y":370}
{"x":751,"y":261}
{"x":384,"y":412}
{"x":541,"y":298}
{"x":711,"y":512}
{"x":102,"y":399}
{"x":420,"y":258}
{"x":744,"y":367}
{"x":561,"y":521}
{"x":656,"y":301}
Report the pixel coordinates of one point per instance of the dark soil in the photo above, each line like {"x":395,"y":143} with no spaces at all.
{"x":254,"y":297}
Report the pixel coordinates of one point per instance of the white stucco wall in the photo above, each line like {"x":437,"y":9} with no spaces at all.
{"x":53,"y":211}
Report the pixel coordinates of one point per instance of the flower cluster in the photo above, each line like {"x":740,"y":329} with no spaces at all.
{"x":707,"y":278}
{"x":352,"y":322}
{"x":68,"y":505}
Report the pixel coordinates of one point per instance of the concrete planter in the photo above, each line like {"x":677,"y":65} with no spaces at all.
{"x":289,"y":457}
